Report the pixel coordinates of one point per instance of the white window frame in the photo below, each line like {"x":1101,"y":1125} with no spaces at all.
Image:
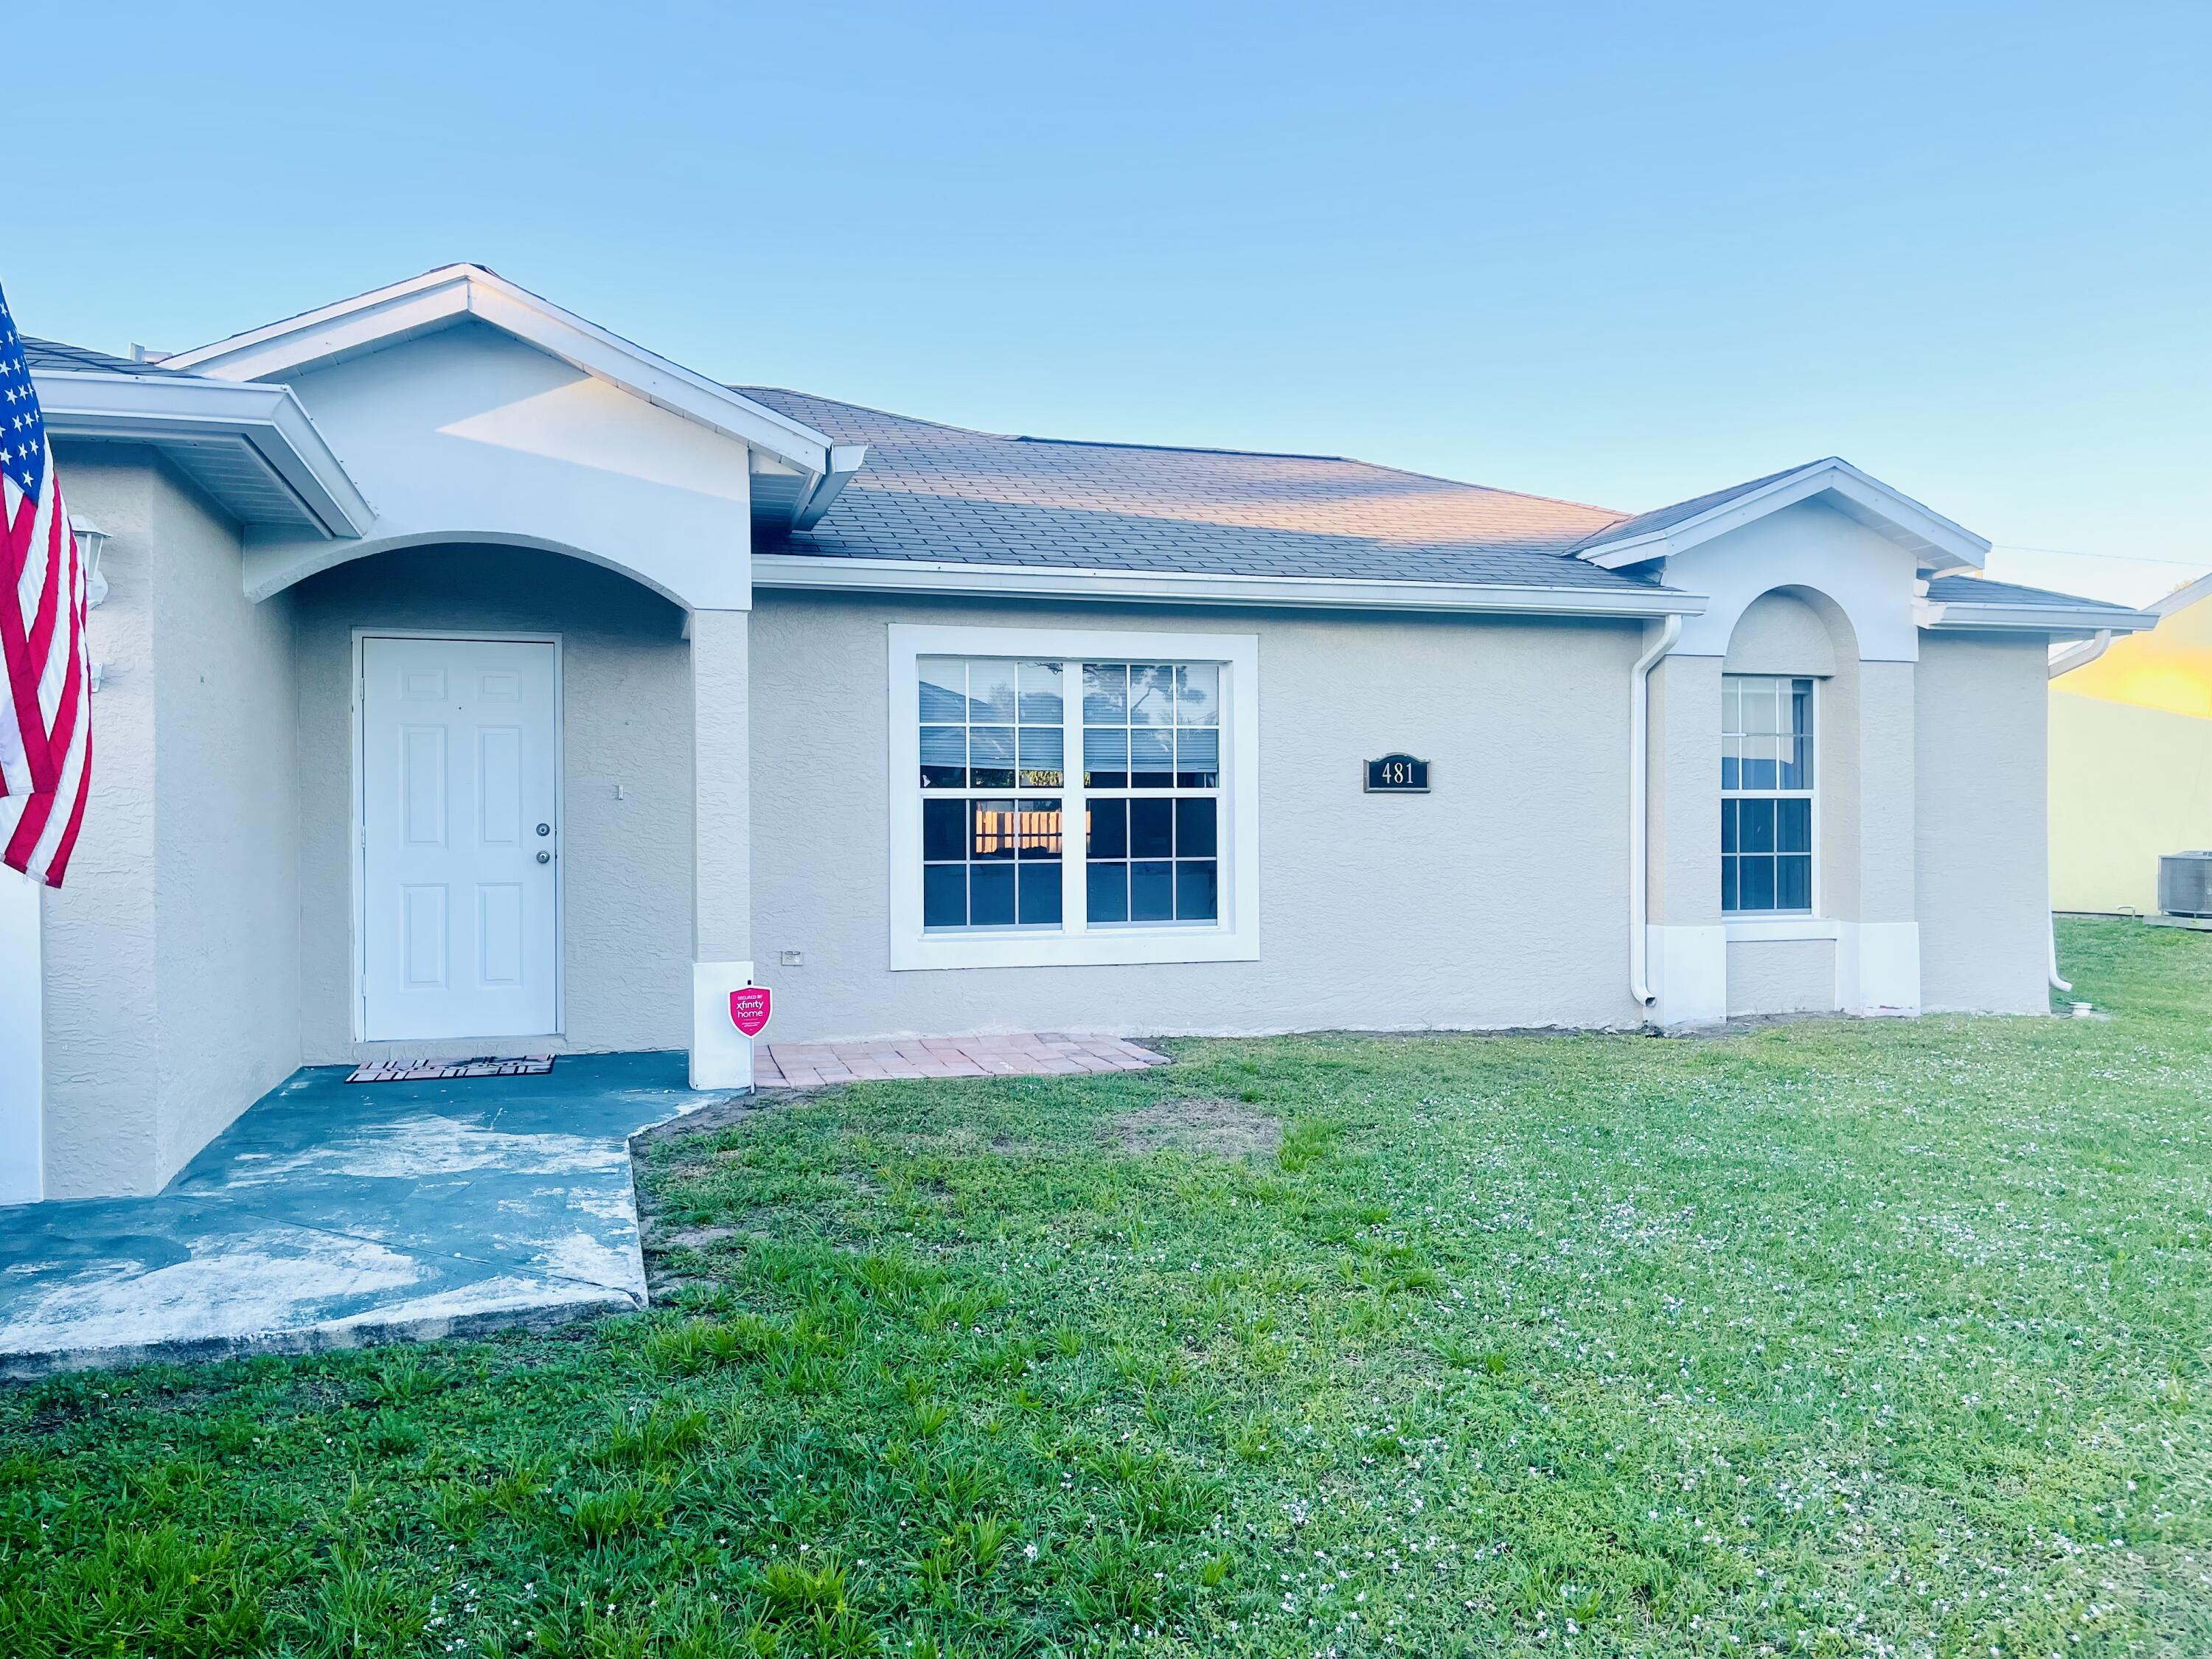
{"x":1234,"y":936}
{"x":1812,"y":922}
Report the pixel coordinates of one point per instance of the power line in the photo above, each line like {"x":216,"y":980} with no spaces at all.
{"x":2116,"y":558}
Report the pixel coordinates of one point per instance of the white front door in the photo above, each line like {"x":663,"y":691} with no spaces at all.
{"x":460,"y":840}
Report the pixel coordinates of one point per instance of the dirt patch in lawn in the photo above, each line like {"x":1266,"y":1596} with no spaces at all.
{"x":1227,"y":1128}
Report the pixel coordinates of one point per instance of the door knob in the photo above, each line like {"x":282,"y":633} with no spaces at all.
{"x":544,"y":829}
{"x":546,"y":857}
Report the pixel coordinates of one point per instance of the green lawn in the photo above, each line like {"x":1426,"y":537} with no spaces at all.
{"x":1836,"y":1338}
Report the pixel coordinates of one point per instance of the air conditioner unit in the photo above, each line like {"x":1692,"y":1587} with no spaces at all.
{"x":2184,"y":884}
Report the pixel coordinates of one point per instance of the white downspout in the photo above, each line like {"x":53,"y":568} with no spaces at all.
{"x":1639,"y":808}
{"x":2065,"y":662}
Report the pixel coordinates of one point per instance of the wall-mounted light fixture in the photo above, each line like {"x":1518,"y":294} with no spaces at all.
{"x":91,"y":542}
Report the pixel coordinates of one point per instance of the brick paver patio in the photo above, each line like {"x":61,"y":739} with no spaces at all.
{"x":1026,"y":1054}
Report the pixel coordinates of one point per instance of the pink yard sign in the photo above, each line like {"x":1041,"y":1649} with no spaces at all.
{"x":749,"y":1009}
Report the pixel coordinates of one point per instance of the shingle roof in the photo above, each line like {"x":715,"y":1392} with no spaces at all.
{"x":946,"y":494}
{"x":1662,"y":518}
{"x":1980,"y":590}
{"x":52,"y":353}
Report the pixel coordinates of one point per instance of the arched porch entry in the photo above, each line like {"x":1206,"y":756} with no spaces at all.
{"x":523,"y":806}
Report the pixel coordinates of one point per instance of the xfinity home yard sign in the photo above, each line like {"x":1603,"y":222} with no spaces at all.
{"x":749,"y":1009}
{"x":1397,"y":774}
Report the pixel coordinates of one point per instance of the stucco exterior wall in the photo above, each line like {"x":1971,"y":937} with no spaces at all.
{"x":103,"y":1010}
{"x":1781,"y":977}
{"x":1498,"y":900}
{"x":227,"y":954}
{"x":1980,"y":870}
{"x":626,"y":793}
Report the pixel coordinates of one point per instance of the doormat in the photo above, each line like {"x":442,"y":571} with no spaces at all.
{"x":438,"y":1071}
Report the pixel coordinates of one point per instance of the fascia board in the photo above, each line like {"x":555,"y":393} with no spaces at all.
{"x":1959,"y":615}
{"x":811,"y":572}
{"x":1931,"y":533}
{"x":267,"y":419}
{"x":439,"y":297}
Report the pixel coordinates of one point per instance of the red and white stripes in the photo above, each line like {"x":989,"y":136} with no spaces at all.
{"x":45,"y":715}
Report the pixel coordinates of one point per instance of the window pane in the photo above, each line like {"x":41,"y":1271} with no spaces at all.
{"x":1759,"y":714}
{"x":1040,"y":829}
{"x":1793,"y":826}
{"x":1731,"y":770}
{"x":1041,"y":703}
{"x":1196,"y":899}
{"x":1796,"y":764}
{"x":1105,"y":694}
{"x":1151,"y":750}
{"x":991,"y":895}
{"x":944,"y":689}
{"x":991,"y":746}
{"x":1106,"y":757}
{"x":1151,"y":892}
{"x":1151,"y":829}
{"x":1755,"y":877}
{"x":1152,"y":694}
{"x":1198,"y":758}
{"x":1794,"y":883}
{"x":1728,"y":884}
{"x":992,"y":825}
{"x":1757,"y":763}
{"x":1039,"y":896}
{"x":945,"y":896}
{"x":1109,"y":829}
{"x":944,"y":830}
{"x":991,"y":690}
{"x":1108,"y":893}
{"x":1198,"y":695}
{"x":1728,"y":826}
{"x":1195,"y":822}
{"x":1755,"y":825}
{"x":1731,"y":706}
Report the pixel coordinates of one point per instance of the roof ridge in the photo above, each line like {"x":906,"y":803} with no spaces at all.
{"x":1618,"y":516}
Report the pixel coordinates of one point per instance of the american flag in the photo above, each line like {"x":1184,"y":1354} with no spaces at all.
{"x":46,"y":711}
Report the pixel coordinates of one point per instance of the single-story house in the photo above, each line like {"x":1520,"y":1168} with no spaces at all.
{"x":474,"y":681}
{"x":2131,"y":756}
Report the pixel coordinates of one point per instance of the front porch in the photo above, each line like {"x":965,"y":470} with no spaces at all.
{"x":330,"y":1216}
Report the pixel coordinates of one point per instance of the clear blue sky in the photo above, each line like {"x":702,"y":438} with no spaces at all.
{"x":1620,"y":253}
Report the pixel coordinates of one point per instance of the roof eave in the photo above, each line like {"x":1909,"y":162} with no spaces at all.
{"x":828,"y":572}
{"x":437,"y":298}
{"x":1968,"y":617}
{"x":266,"y":422}
{"x":1939,"y":545}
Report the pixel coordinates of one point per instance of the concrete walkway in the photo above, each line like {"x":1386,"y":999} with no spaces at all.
{"x":331,"y":1215}
{"x":1027,"y":1054}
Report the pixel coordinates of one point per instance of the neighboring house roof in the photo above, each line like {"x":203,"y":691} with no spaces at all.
{"x":251,"y":447}
{"x":946,"y":494}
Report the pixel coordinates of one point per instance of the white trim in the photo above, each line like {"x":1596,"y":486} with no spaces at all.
{"x":22,"y":1042}
{"x":818,"y":571}
{"x":356,"y":830}
{"x":2085,"y":616}
{"x":1745,"y":930}
{"x":1941,"y":544}
{"x":1235,"y":937}
{"x":437,"y":298}
{"x":265,"y":424}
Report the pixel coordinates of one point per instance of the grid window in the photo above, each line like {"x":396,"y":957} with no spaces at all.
{"x":1151,"y":774}
{"x":1145,"y":792}
{"x":1766,"y":794}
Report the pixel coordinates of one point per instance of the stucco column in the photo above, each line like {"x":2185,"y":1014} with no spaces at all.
{"x":1878,"y":942}
{"x":721,"y":845}
{"x":1686,"y":943}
